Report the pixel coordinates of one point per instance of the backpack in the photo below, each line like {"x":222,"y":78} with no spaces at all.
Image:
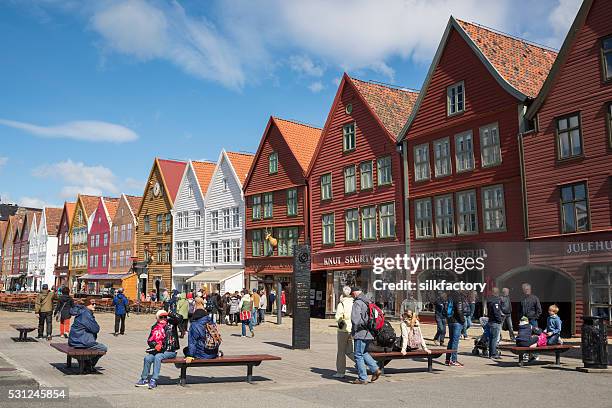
{"x":415,"y":339}
{"x":213,"y":337}
{"x":386,"y":336}
{"x":376,"y":319}
{"x":449,"y":308}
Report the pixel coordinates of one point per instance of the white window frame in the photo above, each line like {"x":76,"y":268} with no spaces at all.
{"x":490,"y":145}
{"x":452,"y":98}
{"x":273,"y":163}
{"x":236,"y":251}
{"x":235,"y":217}
{"x":368,"y":216}
{"x":226,"y":251}
{"x":328,"y":226}
{"x":387,"y":220}
{"x":422,"y":170}
{"x":214,"y":252}
{"x":214,"y":220}
{"x":486,"y":209}
{"x":350,"y":186}
{"x":367,"y":176}
{"x":197,"y":250}
{"x":268,"y":205}
{"x":464,"y":158}
{"x":197,"y":215}
{"x":466,"y":216}
{"x":444,"y":221}
{"x":292,"y":202}
{"x":227,"y":220}
{"x":326,"y":187}
{"x":256,"y":208}
{"x":443,"y":165}
{"x":423,"y":218}
{"x":351,"y":225}
{"x":385,"y":178}
{"x":349,"y":137}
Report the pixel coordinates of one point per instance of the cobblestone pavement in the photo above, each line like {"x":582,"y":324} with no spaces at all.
{"x":301,"y":379}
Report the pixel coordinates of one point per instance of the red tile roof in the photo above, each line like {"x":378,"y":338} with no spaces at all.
{"x":172,"y":172}
{"x":111,"y":206}
{"x":302,"y":140}
{"x":133,"y":202}
{"x":523,"y":65}
{"x":70,"y":211}
{"x":52,"y":220}
{"x":241,"y":163}
{"x":392,"y":105}
{"x":89,"y":203}
{"x":204,"y":172}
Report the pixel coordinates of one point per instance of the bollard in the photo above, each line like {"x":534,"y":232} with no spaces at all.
{"x":594,"y":343}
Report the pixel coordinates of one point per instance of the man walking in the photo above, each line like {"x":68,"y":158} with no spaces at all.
{"x":363,"y":338}
{"x":43,"y":307}
{"x":256,"y":300}
{"x":530,"y":306}
{"x":440,"y":306}
{"x":496,"y":317}
{"x":506,"y":308}
{"x":121,"y":309}
{"x":263,"y":305}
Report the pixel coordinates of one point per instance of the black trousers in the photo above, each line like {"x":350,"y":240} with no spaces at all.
{"x":120,"y":319}
{"x":42,"y":318}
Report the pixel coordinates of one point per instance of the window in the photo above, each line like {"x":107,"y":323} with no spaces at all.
{"x":168,"y":222}
{"x":490,"y":149}
{"x":455,"y":97}
{"x":214,"y":252}
{"x":384,"y":170}
{"x":368,"y":223}
{"x":442,"y":157}
{"x":160,"y":223}
{"x":225,"y":187}
{"x":423,"y":218}
{"x":257,"y":207}
{"x":147,"y":226}
{"x":268,"y":205}
{"x":352,"y":225}
{"x":292,"y":202}
{"x":121,"y":257}
{"x":467,"y":220}
{"x":197,"y":218}
{"x":178,"y":251}
{"x":214,"y":220}
{"x":329,"y":233}
{"x":365,"y":169}
{"x":91,"y":261}
{"x":167,"y":249}
{"x":273,"y":163}
{"x":128,"y":257}
{"x":387,"y":220}
{"x":574,"y":208}
{"x":226,"y":218}
{"x":326,"y":186}
{"x":197,"y":251}
{"x":421,"y":162}
{"x":444,"y":216}
{"x":122,"y":233}
{"x":114,"y":259}
{"x":186,"y":250}
{"x":190,"y":191}
{"x":464,"y":152}
{"x":116,"y":231}
{"x":92,"y":240}
{"x":257,"y":243}
{"x":105,"y":239}
{"x":606,"y":53}
{"x":96,"y":258}
{"x":236,"y":251}
{"x":267,"y":247}
{"x":226,"y":252}
{"x":129,"y":232}
{"x":287,"y":238}
{"x":600,"y":290}
{"x":609,"y":122}
{"x":569,"y":138}
{"x":350,"y":182}
{"x":235,"y":217}
{"x":348,"y":137}
{"x":493,"y":208}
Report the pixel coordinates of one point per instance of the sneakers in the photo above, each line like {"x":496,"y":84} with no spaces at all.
{"x":338,"y":375}
{"x":142,"y":383}
{"x":455,"y":364}
{"x":358,"y":381}
{"x":115,"y":334}
{"x":152,"y":384}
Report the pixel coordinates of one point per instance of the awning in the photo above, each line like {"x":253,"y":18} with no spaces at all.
{"x":104,"y":276}
{"x":215,"y":276}
{"x":16,"y":275}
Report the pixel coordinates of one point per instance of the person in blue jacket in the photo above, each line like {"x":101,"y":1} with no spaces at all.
{"x":553,"y":326}
{"x":121,"y":309}
{"x":84,"y":332}
{"x":196,"y":348}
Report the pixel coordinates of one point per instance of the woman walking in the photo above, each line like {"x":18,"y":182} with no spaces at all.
{"x":62,"y":311}
{"x":246,"y":312}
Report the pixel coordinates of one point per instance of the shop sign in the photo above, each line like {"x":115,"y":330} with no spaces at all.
{"x":575,"y":248}
{"x":349,"y":260}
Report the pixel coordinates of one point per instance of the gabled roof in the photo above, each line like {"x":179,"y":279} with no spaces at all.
{"x":30,"y":217}
{"x":172,"y":173}
{"x":70,"y":207}
{"x":241,"y":162}
{"x":392,"y":105}
{"x":111,"y":205}
{"x":52,"y":219}
{"x":133,"y":202}
{"x":564,"y":52}
{"x":520,"y":67}
{"x":89,"y":203}
{"x":3,"y":227}
{"x":204,"y":171}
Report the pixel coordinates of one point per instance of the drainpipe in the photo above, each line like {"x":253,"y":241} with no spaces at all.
{"x":406,"y":193}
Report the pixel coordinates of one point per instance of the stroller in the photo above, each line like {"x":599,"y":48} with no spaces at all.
{"x":481,"y":343}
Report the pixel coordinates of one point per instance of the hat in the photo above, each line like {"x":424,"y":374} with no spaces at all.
{"x":45,"y":286}
{"x":189,"y":295}
{"x":355,"y":289}
{"x":161,"y":313}
{"x":120,"y":290}
{"x":524,"y":319}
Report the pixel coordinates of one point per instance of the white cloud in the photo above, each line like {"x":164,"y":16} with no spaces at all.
{"x":79,"y":178}
{"x":86,"y":130}
{"x":316,"y":86}
{"x":34,"y":202}
{"x":133,"y":185}
{"x":305,"y":66}
{"x":562,"y":16}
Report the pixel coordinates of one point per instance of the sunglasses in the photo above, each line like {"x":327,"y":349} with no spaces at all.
{"x":163,"y":317}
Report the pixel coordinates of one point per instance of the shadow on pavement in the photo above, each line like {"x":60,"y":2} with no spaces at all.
{"x":200,"y":379}
{"x":74,"y":370}
{"x":277,"y":344}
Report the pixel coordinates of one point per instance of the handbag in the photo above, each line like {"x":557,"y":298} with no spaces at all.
{"x":245,"y":315}
{"x":542,"y":340}
{"x":414,"y":341}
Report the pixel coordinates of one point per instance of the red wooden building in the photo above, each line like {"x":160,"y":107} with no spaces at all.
{"x":63,"y":245}
{"x":355,"y":184}
{"x":568,"y":169}
{"x":276,"y":201}
{"x":462,"y":154}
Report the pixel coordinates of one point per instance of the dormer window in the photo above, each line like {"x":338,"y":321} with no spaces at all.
{"x":273,"y":163}
{"x":455,"y":97}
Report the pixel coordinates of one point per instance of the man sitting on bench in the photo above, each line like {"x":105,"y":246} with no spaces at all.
{"x":204,"y":336}
{"x":84,"y":332}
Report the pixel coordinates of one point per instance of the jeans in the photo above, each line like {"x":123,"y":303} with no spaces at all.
{"x":262,"y":315}
{"x":495,"y":330}
{"x":255,"y":315}
{"x":554,"y":339}
{"x":42,"y":318}
{"x":156,"y":361}
{"x":363,"y":359}
{"x":508,"y":320}
{"x":120,"y":321}
{"x":246,"y":323}
{"x":98,"y":346}
{"x":468,"y":319}
{"x":454,"y":332}
{"x":441,"y":333}
{"x":345,"y":349}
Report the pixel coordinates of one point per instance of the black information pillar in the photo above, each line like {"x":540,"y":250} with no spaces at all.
{"x":300,"y":338}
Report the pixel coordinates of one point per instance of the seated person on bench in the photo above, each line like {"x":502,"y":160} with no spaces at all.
{"x":163,"y":342}
{"x":553,"y":326}
{"x":84,"y":332}
{"x":204,"y":338}
{"x":412,"y":338}
{"x":528,"y":336}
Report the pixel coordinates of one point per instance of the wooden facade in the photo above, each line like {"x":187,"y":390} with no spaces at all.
{"x":124,"y":227}
{"x":84,"y":210}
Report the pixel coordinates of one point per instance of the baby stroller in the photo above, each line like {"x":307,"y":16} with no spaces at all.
{"x":481,"y":343}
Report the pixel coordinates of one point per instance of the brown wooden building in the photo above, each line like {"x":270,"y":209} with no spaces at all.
{"x":62,"y":264}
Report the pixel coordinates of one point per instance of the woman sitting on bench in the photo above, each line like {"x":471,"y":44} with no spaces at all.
{"x":84,"y":332}
{"x":204,"y":338}
{"x":412,"y":338}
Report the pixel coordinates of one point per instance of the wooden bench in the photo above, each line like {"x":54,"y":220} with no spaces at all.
{"x":81,"y":355}
{"x":384,"y":358}
{"x":249,"y":361}
{"x":521,"y":351}
{"x":23,"y":331}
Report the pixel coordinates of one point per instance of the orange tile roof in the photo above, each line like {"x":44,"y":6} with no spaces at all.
{"x":392,"y":105}
{"x":172,"y":171}
{"x":52,"y":219}
{"x":90,"y":203}
{"x":241,"y":163}
{"x":134,"y":202}
{"x":111,"y":206}
{"x":204,"y":172}
{"x":302,"y":139}
{"x":70,"y":210}
{"x":523,"y":65}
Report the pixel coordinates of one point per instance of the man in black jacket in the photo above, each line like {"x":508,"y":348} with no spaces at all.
{"x":456,"y":320}
{"x":440,"y":314}
{"x":530,"y":306}
{"x":496,"y":317}
{"x":506,"y":308}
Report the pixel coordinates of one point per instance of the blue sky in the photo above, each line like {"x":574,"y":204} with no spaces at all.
{"x":92,"y":91}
